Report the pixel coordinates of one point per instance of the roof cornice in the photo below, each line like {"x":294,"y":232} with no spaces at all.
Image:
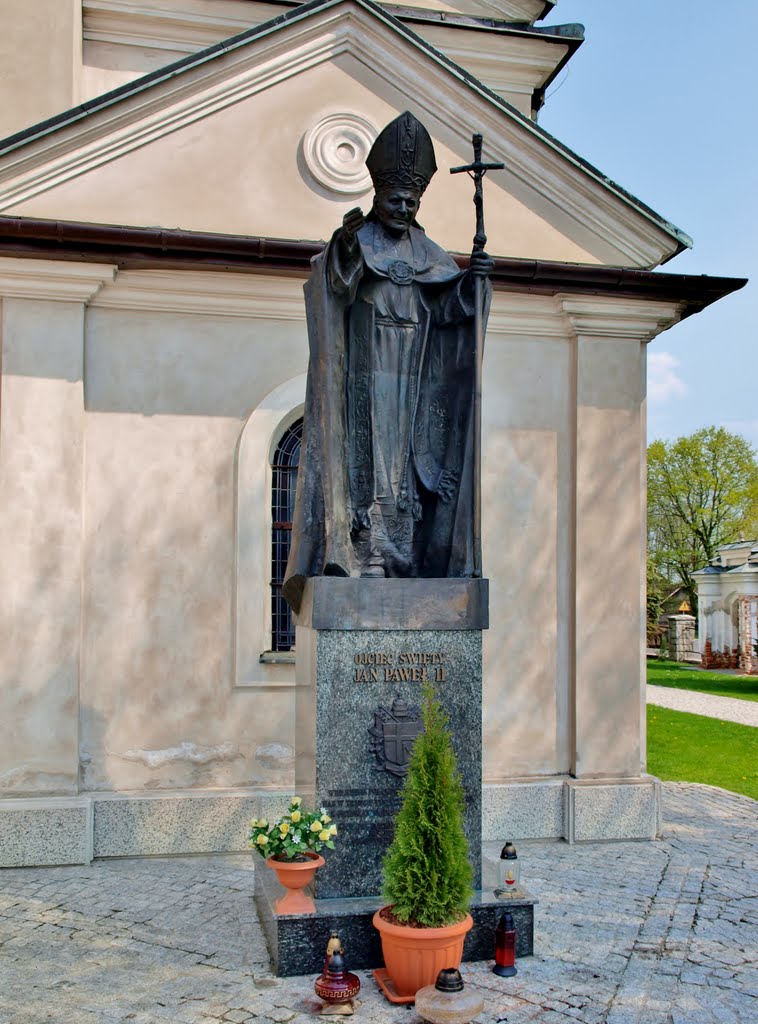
{"x":129,"y":21}
{"x":147,"y":248}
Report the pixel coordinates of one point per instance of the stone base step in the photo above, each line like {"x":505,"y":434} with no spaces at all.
{"x":297,"y":943}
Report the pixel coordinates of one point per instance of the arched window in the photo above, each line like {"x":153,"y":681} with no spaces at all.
{"x":283,"y":483}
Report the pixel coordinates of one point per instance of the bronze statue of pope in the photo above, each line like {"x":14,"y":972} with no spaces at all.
{"x":385,"y":484}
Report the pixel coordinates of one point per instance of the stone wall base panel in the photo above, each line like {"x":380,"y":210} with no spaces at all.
{"x":530,"y":809}
{"x":602,"y":810}
{"x":45,"y":832}
{"x":180,"y":822}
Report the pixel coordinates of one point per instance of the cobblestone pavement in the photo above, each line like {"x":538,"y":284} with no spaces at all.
{"x":730,"y":709}
{"x":626,"y":933}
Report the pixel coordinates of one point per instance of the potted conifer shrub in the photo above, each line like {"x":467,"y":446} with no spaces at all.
{"x":427,"y":873}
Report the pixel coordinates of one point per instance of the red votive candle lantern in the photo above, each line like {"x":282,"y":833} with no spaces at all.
{"x":505,"y":947}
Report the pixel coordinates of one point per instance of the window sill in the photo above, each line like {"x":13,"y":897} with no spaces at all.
{"x":277,"y":658}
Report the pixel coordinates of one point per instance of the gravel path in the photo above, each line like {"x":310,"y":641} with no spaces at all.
{"x":731,"y":709}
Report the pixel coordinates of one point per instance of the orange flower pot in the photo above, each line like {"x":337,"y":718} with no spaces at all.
{"x":413,"y":957}
{"x":295,"y":876}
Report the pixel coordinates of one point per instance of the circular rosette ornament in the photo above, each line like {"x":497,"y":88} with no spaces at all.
{"x":335,"y":152}
{"x":400,"y":272}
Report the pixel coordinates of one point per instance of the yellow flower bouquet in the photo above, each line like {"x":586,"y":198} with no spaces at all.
{"x":295,"y":833}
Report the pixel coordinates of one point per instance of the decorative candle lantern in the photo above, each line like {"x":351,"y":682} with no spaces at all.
{"x":337,"y":986}
{"x":509,"y":870}
{"x":447,"y":1001}
{"x":505,"y":946}
{"x":334,"y":945}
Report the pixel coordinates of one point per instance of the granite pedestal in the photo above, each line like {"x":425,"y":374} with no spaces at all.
{"x":364,"y":649}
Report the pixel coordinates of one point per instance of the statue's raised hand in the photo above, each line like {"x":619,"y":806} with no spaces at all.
{"x":352,"y":223}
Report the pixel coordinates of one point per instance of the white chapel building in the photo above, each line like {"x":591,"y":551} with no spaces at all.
{"x":727,"y":601}
{"x":167,"y":170}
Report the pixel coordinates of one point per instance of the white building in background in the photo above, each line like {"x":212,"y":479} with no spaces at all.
{"x":727,"y":593}
{"x":169,"y":169}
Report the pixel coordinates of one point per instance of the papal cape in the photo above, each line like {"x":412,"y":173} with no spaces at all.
{"x":441,"y":417}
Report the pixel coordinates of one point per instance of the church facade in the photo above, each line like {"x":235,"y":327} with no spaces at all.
{"x":167,"y":172}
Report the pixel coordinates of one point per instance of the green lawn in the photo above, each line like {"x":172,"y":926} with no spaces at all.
{"x":692,"y":748}
{"x":671,"y":673}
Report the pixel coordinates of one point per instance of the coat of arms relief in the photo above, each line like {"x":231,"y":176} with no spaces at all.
{"x":393,"y":734}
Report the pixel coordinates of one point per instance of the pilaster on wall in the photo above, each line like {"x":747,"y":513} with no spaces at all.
{"x":42,"y":307}
{"x":609,"y":530}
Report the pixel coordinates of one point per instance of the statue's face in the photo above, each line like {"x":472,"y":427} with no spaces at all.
{"x":396,"y":208}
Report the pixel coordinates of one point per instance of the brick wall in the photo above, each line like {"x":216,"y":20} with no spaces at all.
{"x":719,"y":659}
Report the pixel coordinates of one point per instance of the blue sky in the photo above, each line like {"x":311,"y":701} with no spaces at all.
{"x":662,"y":98}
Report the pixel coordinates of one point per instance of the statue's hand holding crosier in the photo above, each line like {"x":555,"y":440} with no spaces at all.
{"x":481,"y":264}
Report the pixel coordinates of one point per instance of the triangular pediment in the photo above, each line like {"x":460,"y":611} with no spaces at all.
{"x":264,"y":135}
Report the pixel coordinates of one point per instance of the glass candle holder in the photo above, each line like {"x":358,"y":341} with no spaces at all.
{"x":448,"y":1001}
{"x":505,"y":947}
{"x":509,"y":870}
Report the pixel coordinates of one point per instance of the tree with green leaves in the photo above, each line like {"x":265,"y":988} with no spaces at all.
{"x":702,"y":492}
{"x":657,"y":589}
{"x":427,"y":873}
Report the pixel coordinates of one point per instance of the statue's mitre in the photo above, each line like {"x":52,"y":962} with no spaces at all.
{"x":402,"y":155}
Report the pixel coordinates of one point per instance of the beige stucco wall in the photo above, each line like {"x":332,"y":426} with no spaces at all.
{"x":121,"y":422}
{"x":526,"y":551}
{"x":40,"y":60}
{"x":167,"y":398}
{"x":609,"y":547}
{"x":41,"y":457}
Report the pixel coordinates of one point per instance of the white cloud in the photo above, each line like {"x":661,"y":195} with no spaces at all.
{"x":663,"y":381}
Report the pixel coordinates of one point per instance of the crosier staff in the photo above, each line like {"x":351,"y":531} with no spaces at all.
{"x":476,"y":172}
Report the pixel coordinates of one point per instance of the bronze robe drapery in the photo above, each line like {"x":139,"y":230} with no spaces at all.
{"x":388,"y":411}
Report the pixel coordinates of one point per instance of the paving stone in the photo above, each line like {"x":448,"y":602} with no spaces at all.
{"x":279,"y":1014}
{"x":626,"y":933}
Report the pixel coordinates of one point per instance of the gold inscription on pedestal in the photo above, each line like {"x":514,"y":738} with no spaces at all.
{"x":404,"y":667}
